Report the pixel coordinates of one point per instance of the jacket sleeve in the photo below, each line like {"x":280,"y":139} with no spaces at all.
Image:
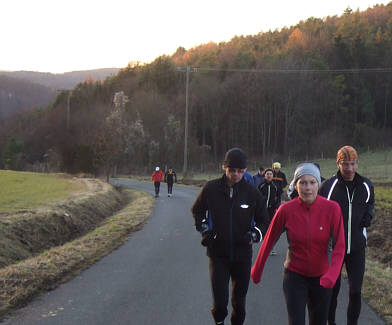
{"x":329,"y":278}
{"x":273,"y":233}
{"x":368,"y":216}
{"x":200,"y":208}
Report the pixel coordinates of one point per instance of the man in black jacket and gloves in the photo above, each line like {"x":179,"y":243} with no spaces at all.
{"x":355,"y":195}
{"x":230,"y":214}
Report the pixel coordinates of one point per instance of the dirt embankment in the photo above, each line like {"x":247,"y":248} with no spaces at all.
{"x":29,"y":232}
{"x":379,"y":237}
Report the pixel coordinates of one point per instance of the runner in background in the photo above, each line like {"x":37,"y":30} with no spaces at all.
{"x":258,"y":178}
{"x":269,"y":191}
{"x":157,"y":177}
{"x":170,"y":178}
{"x":248,"y":178}
{"x":279,"y":180}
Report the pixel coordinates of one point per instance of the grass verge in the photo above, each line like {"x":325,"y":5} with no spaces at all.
{"x":377,"y":289}
{"x":27,"y":233}
{"x":22,"y":190}
{"x":25,"y":280}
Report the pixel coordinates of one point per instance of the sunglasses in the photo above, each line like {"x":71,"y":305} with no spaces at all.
{"x":236,"y":170}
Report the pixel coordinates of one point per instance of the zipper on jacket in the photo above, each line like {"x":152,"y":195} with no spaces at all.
{"x":231,"y":225}
{"x":269,"y":193}
{"x":309,"y":241}
{"x":350,"y":212}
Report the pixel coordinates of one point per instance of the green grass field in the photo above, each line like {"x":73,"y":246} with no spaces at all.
{"x":23,"y":190}
{"x":374,"y":165}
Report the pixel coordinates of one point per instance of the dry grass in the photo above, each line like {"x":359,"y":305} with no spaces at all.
{"x":26,"y":233}
{"x":24,"y":280}
{"x":377,"y":288}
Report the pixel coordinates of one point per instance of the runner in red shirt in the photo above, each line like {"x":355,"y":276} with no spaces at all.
{"x":310,"y":222}
{"x":157,"y":177}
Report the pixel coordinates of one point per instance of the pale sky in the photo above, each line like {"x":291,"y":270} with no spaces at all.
{"x":67,"y":35}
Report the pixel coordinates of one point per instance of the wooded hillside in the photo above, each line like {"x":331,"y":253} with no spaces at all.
{"x":291,"y":94}
{"x":66,"y":80}
{"x":21,"y":95}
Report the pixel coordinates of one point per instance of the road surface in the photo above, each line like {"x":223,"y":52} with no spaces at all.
{"x":160,"y":276}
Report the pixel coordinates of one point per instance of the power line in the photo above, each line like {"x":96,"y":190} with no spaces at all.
{"x":359,"y":70}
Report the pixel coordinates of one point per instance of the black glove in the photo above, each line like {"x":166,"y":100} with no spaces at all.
{"x":204,"y":227}
{"x":207,"y":237}
{"x":253,"y":236}
{"x":365,"y":222}
{"x":201,"y":224}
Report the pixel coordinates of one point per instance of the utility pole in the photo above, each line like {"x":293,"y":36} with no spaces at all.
{"x":68,"y":108}
{"x":185,"y":168}
{"x":188,"y":70}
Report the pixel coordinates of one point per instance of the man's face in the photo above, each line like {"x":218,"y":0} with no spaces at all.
{"x":261,"y":172}
{"x":276,"y":169}
{"x":234,"y":175}
{"x":348,"y":169}
{"x":268,"y":176}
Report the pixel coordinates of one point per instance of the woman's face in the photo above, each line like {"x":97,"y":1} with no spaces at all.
{"x":268,"y":176}
{"x":307,"y":188}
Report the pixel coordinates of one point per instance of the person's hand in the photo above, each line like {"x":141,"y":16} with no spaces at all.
{"x":201,"y":224}
{"x":365,"y":222}
{"x":326,"y":282}
{"x":247,"y":239}
{"x":253,"y":236}
{"x":207,"y":238}
{"x":255,"y":275}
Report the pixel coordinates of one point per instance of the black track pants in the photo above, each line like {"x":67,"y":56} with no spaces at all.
{"x":355,"y":266}
{"x":300,"y":291}
{"x":169,"y":188}
{"x":221,"y":270}
{"x":157,"y":185}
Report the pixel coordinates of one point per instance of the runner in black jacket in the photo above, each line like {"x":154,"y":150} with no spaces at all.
{"x":269,"y":191}
{"x":170,"y":178}
{"x":348,"y":188}
{"x":230,"y":214}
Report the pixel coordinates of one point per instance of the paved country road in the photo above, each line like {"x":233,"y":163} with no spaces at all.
{"x":160,"y":276}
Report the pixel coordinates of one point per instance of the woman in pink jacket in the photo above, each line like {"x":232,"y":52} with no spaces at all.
{"x":310,"y":222}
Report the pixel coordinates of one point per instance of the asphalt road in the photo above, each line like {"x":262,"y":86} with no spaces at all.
{"x":160,"y":276}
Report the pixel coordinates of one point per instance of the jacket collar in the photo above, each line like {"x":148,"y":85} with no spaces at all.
{"x":225,"y":188}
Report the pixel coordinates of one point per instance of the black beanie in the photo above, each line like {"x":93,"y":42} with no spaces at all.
{"x":235,"y":158}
